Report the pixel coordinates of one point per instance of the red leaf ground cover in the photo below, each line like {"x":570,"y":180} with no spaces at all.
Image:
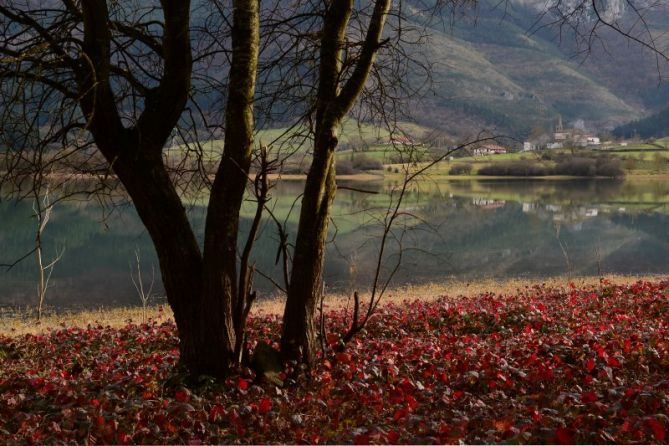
{"x":542,"y":366}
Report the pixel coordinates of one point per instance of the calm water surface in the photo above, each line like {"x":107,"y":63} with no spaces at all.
{"x":450,"y":230}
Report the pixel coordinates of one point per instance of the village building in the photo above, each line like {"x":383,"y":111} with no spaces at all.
{"x":573,"y":137}
{"x":489,"y":149}
{"x":561,"y":134}
{"x":529,"y":146}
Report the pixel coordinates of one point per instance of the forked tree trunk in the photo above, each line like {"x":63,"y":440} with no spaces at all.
{"x":201,"y":321}
{"x":199,"y":287}
{"x":299,"y":337}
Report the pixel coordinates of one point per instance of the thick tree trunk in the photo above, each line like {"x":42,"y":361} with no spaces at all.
{"x":201,"y":320}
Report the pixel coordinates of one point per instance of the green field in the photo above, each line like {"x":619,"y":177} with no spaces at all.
{"x":364,"y":142}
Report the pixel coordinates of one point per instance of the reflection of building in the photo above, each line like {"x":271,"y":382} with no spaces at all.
{"x":529,"y":207}
{"x":561,"y":213}
{"x":487,"y":203}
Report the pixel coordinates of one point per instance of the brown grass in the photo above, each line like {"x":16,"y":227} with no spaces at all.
{"x":20,"y":323}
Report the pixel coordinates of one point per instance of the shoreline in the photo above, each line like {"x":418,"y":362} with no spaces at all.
{"x":382,"y":176}
{"x":22,"y":323}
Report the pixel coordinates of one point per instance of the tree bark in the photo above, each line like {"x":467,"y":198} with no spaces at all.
{"x":299,"y":337}
{"x":222,"y":226}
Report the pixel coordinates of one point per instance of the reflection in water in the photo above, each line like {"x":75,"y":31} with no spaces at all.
{"x":458,"y":229}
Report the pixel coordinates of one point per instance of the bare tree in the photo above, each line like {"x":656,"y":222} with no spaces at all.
{"x":99,"y":87}
{"x":334,"y":101}
{"x":390,"y":233}
{"x":144,"y":295}
{"x":350,"y":69}
{"x":42,"y":210}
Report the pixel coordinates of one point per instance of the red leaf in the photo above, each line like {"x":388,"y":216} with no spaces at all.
{"x":343,"y":357}
{"x":396,"y":396}
{"x":265,"y":405}
{"x":588,"y":397}
{"x":590,"y":364}
{"x":243,"y":384}
{"x":613,"y":362}
{"x":332,"y":339}
{"x":657,"y":427}
{"x":216,"y":412}
{"x":124,"y":438}
{"x":361,"y":439}
{"x":399,"y":414}
{"x":563,"y":436}
{"x":411,"y":402}
{"x":392,"y":437}
{"x":181,"y":395}
{"x":627,"y":346}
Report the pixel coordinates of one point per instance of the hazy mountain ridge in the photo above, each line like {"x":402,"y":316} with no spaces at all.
{"x":493,"y":72}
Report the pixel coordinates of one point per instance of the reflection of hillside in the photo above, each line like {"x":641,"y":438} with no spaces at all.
{"x":471,"y":229}
{"x":639,"y":194}
{"x":471,"y":241}
{"x":654,"y":225}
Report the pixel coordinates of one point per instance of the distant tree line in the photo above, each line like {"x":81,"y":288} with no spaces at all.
{"x":653,"y":126}
{"x":578,"y":167}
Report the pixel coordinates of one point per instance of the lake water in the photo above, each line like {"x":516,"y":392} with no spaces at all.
{"x":449,"y":230}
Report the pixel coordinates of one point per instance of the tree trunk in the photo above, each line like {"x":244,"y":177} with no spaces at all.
{"x":222,"y":226}
{"x":299,"y":337}
{"x":201,"y":320}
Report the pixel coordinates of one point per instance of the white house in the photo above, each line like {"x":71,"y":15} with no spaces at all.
{"x":529,"y":146}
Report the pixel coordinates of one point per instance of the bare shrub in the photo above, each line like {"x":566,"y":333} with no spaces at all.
{"x":364,"y":162}
{"x":515,"y":168}
{"x":345,"y":167}
{"x":460,"y":169}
